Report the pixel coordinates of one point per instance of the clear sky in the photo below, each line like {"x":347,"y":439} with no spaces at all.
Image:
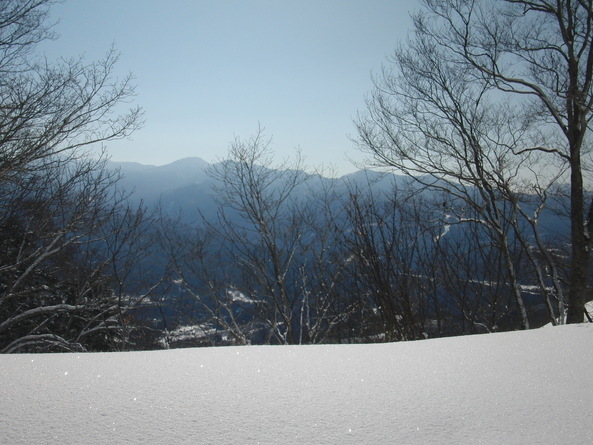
{"x":209,"y":70}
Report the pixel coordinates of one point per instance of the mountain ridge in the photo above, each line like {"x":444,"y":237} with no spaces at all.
{"x":184,"y":187}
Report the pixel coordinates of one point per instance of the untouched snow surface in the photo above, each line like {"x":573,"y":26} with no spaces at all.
{"x":509,"y":388}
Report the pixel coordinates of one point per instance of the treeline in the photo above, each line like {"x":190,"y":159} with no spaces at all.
{"x":68,"y":238}
{"x":295,"y":258}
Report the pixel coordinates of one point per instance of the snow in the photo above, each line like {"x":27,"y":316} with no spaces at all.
{"x":512,"y":388}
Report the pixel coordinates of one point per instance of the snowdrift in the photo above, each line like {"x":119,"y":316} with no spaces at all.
{"x":521,"y":387}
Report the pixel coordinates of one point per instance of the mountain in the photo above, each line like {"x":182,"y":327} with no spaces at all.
{"x":184,"y":188}
{"x":149,"y":182}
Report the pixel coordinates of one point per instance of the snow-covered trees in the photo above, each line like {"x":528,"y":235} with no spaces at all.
{"x":57,"y":287}
{"x":264,"y":270}
{"x":298,"y":258}
{"x":488,"y":102}
{"x":59,"y":210}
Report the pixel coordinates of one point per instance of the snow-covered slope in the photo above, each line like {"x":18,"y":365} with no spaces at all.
{"x":508,"y":388}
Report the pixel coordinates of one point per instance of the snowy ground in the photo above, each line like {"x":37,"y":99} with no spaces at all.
{"x":509,"y":388}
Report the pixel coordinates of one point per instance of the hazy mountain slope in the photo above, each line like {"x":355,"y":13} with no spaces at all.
{"x":184,"y":187}
{"x":149,"y":182}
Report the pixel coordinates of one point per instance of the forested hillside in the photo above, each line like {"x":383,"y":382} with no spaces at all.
{"x":262,"y":253}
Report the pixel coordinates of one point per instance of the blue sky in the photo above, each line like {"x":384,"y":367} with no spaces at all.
{"x":207,"y":71}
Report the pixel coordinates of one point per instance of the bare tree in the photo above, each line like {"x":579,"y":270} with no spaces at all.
{"x":57,"y":286}
{"x":60,"y":214}
{"x":264,"y":240}
{"x":50,"y":108}
{"x":391,"y":260}
{"x":265,"y":270}
{"x":489,"y":100}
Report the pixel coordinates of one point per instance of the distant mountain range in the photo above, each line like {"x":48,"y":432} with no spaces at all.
{"x":184,"y":189}
{"x":182,"y":186}
{"x":149,"y":182}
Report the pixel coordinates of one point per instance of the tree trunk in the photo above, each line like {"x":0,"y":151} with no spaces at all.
{"x":579,"y":263}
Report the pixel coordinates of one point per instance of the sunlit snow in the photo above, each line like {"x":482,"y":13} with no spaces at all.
{"x":507,"y":388}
